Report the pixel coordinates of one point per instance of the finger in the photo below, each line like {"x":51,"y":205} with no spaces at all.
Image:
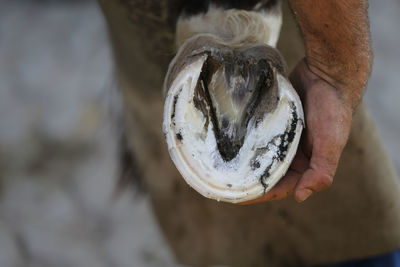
{"x":329,"y":129}
{"x":319,"y":176}
{"x":281,"y":190}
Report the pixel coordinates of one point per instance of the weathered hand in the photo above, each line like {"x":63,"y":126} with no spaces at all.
{"x":328,"y":120}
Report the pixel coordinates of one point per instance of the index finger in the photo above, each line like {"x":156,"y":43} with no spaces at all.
{"x":328,"y":127}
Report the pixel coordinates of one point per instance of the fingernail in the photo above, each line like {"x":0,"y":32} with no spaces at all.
{"x":303,"y":195}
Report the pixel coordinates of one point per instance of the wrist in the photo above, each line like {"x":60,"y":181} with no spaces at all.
{"x":337,"y":39}
{"x":349,"y":79}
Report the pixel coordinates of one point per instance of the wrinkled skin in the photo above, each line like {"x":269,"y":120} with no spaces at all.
{"x":330,"y":82}
{"x":328,"y":121}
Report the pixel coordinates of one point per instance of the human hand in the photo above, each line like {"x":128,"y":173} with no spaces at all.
{"x":328,"y":116}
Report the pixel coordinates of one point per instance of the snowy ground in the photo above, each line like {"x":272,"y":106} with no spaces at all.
{"x":58,"y":142}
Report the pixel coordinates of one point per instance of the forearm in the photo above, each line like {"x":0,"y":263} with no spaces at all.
{"x":337,"y":39}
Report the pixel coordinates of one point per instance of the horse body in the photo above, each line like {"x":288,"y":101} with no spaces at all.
{"x":326,"y":228}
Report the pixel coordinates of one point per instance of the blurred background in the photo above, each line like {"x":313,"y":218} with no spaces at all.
{"x":59,"y":133}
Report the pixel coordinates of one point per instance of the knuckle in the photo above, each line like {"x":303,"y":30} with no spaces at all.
{"x":325,"y":181}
